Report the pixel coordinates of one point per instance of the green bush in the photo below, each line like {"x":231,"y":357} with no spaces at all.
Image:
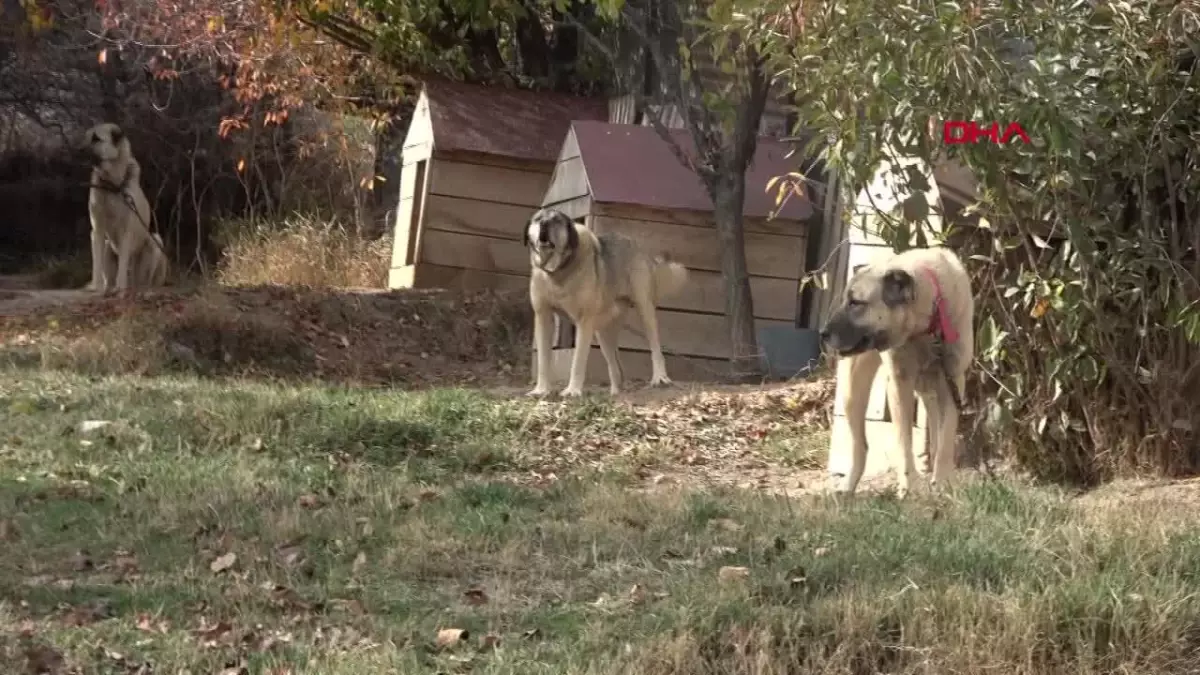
{"x":1086,"y":277}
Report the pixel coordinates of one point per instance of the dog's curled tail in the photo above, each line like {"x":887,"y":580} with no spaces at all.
{"x":669,"y":276}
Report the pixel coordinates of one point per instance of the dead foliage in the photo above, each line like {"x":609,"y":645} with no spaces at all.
{"x":717,"y":435}
{"x":397,"y":337}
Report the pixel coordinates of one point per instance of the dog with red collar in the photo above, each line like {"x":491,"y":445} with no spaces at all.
{"x":912,"y":313}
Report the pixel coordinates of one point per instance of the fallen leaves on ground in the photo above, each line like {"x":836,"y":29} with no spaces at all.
{"x":451,"y":637}
{"x":417,"y":337}
{"x":223,"y":563}
{"x":716,"y":434}
{"x":40,"y":658}
{"x":731,"y":573}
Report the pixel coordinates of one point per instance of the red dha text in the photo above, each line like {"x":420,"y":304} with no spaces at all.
{"x":958,"y":132}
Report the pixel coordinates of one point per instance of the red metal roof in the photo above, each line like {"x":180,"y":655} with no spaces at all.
{"x":632,"y":164}
{"x":508,"y":122}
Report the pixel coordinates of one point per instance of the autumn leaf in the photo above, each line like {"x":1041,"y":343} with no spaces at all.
{"x":125,"y":564}
{"x":210,"y":635}
{"x":147,"y":624}
{"x":81,"y":561}
{"x":310,"y":501}
{"x":102,"y":57}
{"x":450,"y":637}
{"x":1039,"y":310}
{"x":475,"y":596}
{"x":223,"y":563}
{"x":731,"y":573}
{"x":41,"y":659}
{"x":9,"y":530}
{"x":241,"y":165}
{"x":489,"y":641}
{"x":726,"y":524}
{"x":84,"y":615}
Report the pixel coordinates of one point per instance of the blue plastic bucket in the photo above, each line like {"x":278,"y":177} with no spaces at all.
{"x":788,"y":352}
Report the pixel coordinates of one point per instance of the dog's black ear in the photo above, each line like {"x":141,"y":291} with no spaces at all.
{"x":117,"y":135}
{"x":572,"y":235}
{"x":897,"y":288}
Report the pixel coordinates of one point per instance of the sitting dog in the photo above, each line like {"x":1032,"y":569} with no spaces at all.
{"x":120,"y":216}
{"x":150,"y":265}
{"x":914,"y":314}
{"x":593,"y":279}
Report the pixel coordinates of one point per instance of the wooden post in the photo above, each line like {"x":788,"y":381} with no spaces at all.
{"x":864,"y":246}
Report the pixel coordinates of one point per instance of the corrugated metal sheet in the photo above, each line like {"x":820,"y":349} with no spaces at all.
{"x":622,"y":109}
{"x":631,"y":164}
{"x":506,"y":122}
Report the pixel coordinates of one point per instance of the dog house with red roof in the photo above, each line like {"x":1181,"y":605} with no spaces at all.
{"x":626,"y":178}
{"x":476,"y":163}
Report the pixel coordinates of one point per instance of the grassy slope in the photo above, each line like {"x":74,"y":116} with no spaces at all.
{"x":363,"y":521}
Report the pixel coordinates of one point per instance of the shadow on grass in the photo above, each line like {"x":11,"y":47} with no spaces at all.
{"x":434,"y":432}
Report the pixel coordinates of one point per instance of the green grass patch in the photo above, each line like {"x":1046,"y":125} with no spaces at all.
{"x":337,"y":531}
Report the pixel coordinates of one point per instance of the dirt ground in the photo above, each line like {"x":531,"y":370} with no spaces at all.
{"x":418,"y":339}
{"x":20,"y":296}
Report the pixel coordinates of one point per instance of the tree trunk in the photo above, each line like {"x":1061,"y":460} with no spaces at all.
{"x":729,"y":197}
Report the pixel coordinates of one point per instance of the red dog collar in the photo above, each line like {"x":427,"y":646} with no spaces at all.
{"x":939,"y":321}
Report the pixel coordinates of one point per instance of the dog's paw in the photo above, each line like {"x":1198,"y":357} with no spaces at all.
{"x":538,"y":393}
{"x":841,"y":486}
{"x":905,"y":488}
{"x":660,"y":382}
{"x":938,"y":483}
{"x":571,"y":392}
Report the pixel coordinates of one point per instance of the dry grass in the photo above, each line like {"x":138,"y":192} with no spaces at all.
{"x":302,"y":251}
{"x":67,"y":271}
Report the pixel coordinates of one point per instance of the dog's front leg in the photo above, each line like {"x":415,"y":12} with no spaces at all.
{"x":125,"y":254}
{"x":608,"y":347}
{"x":100,"y":278}
{"x":585,"y":330}
{"x":901,"y":401}
{"x":858,"y":372}
{"x":543,"y":325}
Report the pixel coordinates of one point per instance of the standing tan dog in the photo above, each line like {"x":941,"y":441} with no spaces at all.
{"x":914,"y":314}
{"x":120,"y":215}
{"x":593,"y":280}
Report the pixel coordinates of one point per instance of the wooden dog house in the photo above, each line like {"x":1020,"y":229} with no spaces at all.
{"x":476,"y":163}
{"x":626,"y":178}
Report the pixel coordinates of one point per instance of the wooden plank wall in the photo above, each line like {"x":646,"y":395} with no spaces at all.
{"x":692,"y":323}
{"x":403,"y":246}
{"x":476,"y":211}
